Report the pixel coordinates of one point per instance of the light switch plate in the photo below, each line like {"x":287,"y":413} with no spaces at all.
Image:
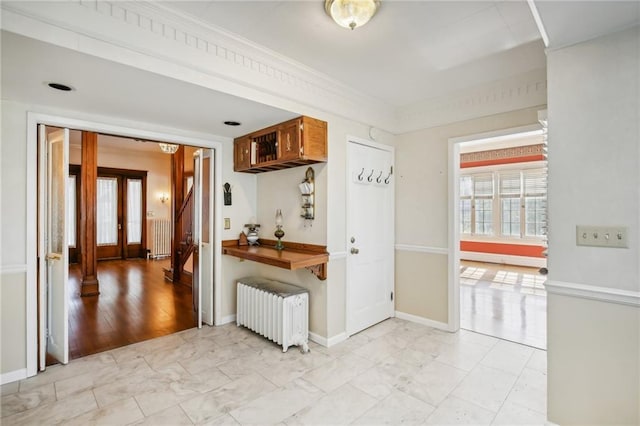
{"x":227,"y":223}
{"x":602,"y":236}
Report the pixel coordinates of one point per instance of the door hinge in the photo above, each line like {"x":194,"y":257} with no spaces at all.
{"x":392,"y":296}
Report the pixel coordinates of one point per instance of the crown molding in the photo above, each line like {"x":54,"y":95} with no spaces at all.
{"x":153,"y":37}
{"x":518,"y":92}
{"x":158,"y":39}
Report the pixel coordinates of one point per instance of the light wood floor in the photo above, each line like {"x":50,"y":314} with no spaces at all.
{"x":135,"y":304}
{"x":504,"y":301}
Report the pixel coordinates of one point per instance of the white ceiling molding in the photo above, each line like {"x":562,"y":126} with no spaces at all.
{"x":154,"y":38}
{"x":519,"y":92}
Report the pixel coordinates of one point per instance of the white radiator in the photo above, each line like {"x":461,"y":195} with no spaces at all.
{"x":159,"y":238}
{"x":275,"y":310}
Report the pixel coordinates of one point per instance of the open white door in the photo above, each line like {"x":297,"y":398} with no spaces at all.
{"x":54,"y":252}
{"x":203,"y":179}
{"x":370,"y":245}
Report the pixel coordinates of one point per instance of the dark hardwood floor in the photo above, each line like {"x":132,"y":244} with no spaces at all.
{"x":135,"y":304}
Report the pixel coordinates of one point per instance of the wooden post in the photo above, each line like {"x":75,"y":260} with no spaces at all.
{"x":177,"y":198}
{"x":88,"y":211}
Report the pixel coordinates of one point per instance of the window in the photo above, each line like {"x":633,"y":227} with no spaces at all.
{"x":71,"y":210}
{"x":510,"y":186}
{"x":535,"y":202}
{"x":518,"y":198}
{"x":107,"y":211}
{"x":483,"y":204}
{"x":466,"y":192}
{"x":134,"y":211}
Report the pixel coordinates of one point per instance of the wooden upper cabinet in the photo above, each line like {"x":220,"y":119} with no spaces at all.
{"x":293,"y":143}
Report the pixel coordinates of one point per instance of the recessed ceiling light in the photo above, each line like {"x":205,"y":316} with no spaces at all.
{"x":232,"y":123}
{"x":60,"y":86}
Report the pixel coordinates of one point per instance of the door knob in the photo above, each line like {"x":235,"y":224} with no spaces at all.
{"x":354,"y":250}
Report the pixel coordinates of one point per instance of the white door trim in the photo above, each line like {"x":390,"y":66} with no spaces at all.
{"x":453,"y":320}
{"x":35,"y":118}
{"x":391,"y":150}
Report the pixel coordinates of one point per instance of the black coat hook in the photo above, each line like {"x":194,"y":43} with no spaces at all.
{"x":389,"y":177}
{"x":371,"y":175}
{"x":379,"y":176}
{"x":360,"y":175}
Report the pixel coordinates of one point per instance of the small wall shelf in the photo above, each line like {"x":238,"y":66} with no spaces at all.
{"x":294,"y":256}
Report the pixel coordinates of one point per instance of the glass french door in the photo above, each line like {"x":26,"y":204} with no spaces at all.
{"x":121,"y":207}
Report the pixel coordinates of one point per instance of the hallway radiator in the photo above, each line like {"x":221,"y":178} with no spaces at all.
{"x":159,"y":238}
{"x":275,"y":310}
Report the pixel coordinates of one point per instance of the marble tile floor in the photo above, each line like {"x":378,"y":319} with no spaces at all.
{"x":504,"y":301}
{"x":394,"y":372}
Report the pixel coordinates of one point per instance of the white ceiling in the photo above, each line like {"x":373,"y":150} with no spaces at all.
{"x":410,"y":51}
{"x":570,"y":22}
{"x":111,"y":89}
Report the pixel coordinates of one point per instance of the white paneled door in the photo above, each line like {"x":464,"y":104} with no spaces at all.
{"x":370,"y":235}
{"x":203,"y":261}
{"x":54,"y":251}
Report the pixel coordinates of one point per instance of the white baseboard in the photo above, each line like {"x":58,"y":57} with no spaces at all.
{"x":227,"y":319}
{"x":424,"y":321}
{"x":13,"y":376}
{"x":327,"y":343}
{"x":534,"y":262}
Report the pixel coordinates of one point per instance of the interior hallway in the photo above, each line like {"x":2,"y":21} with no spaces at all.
{"x":504,"y":301}
{"x":394,"y":372}
{"x":135,"y":304}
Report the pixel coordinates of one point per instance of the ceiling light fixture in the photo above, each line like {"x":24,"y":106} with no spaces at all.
{"x":168,"y":148}
{"x":232,"y":123}
{"x":351,"y":13}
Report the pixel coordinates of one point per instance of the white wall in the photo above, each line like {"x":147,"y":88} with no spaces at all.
{"x":594,"y":138}
{"x":422,"y":215}
{"x":156,"y":164}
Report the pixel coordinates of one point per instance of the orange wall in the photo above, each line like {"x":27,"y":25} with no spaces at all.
{"x":502,"y":161}
{"x":500,"y":248}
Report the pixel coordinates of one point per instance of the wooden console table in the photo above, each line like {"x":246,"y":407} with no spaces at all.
{"x":294,"y":256}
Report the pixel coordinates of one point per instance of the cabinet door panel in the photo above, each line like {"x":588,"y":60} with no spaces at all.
{"x":242,"y":154}
{"x":289,"y":142}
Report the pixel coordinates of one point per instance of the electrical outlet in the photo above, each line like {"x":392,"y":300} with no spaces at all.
{"x":602,"y":236}
{"x":227,"y":223}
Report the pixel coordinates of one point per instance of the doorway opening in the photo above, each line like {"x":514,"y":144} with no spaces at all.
{"x":137,"y":187}
{"x":500,"y":240}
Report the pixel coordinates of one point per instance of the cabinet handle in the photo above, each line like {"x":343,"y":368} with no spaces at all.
{"x":288,"y":142}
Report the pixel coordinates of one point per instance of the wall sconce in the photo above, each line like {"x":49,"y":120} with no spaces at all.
{"x":164,"y":197}
{"x":307,"y":190}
